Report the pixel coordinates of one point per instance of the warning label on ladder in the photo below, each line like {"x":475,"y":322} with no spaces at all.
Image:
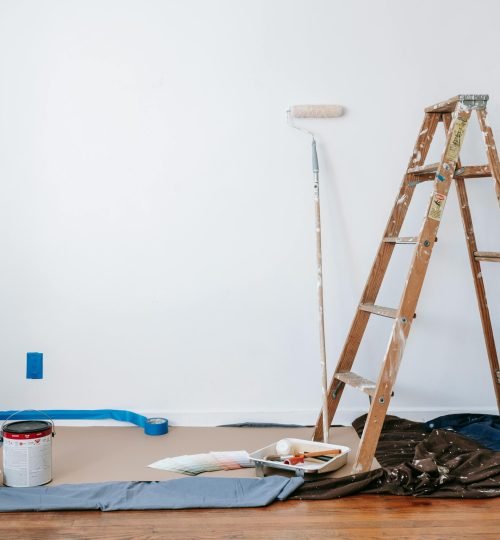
{"x":437,"y":206}
{"x":456,"y":139}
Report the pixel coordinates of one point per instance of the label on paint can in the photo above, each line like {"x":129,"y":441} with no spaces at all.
{"x":27,"y":454}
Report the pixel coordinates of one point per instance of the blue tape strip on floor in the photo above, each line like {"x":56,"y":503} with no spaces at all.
{"x":151,"y":426}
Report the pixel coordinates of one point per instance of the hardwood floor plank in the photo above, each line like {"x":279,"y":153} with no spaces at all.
{"x":351,"y":518}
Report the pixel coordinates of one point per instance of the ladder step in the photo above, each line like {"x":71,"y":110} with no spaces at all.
{"x":379,"y":310}
{"x":444,"y":106}
{"x":475,"y":100}
{"x":431,"y":168}
{"x":490,"y":256}
{"x":401,"y":239}
{"x":474,"y":171}
{"x":471,"y":171}
{"x":356,"y":381}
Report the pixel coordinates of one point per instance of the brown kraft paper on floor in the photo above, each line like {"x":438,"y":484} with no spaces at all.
{"x":106,"y":454}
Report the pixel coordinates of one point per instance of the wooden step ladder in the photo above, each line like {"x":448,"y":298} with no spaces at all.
{"x":455,"y":114}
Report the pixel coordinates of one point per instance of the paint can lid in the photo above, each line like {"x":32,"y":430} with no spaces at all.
{"x":27,"y":426}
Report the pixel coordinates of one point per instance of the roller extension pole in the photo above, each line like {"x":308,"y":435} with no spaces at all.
{"x":322,"y":112}
{"x":319,"y":263}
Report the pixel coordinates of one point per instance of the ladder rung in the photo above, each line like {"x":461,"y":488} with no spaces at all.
{"x":427,"y":172}
{"x":491,"y":256}
{"x":401,"y":239}
{"x":474,"y":171}
{"x":431,"y":168}
{"x":356,"y":381}
{"x":379,"y":310}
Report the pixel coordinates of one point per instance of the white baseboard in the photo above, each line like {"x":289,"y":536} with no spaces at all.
{"x":301,"y":417}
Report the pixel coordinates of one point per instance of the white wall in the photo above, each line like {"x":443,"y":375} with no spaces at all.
{"x":156,"y":216}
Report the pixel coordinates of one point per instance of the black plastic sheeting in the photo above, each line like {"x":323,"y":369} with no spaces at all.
{"x":483,"y":428}
{"x":419,"y":462}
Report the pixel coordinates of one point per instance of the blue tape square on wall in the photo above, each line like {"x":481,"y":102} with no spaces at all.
{"x":34,"y":365}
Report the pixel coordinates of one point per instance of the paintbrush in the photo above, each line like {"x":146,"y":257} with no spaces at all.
{"x":299,"y":457}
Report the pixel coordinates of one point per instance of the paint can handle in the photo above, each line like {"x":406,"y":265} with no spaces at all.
{"x":27,"y":410}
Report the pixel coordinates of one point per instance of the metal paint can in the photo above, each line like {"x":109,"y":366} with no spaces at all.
{"x":27,"y":453}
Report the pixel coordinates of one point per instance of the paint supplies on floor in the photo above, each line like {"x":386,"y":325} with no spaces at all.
{"x":199,"y":463}
{"x":300,"y":456}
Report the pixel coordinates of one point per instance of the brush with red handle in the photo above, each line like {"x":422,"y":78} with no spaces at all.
{"x":299,"y":458}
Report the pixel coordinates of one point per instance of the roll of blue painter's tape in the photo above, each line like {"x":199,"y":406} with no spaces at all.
{"x":156,"y":426}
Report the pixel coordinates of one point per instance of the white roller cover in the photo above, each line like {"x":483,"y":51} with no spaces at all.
{"x":316,"y":111}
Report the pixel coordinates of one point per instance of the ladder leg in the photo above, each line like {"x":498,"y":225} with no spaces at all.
{"x":378,"y":270}
{"x":380,"y":401}
{"x":416,"y":275}
{"x":479,"y":286}
{"x":491,"y":149}
{"x":470,"y":238}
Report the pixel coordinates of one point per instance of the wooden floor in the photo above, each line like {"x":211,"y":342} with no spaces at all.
{"x":359,"y":517}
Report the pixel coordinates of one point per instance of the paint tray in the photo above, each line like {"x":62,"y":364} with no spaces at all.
{"x":308,"y":467}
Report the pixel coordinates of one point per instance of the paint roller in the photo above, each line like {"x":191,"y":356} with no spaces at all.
{"x":316,"y":111}
{"x":321,"y":112}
